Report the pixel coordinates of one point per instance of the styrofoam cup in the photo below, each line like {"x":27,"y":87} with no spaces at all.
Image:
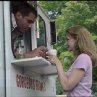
{"x":52,"y":52}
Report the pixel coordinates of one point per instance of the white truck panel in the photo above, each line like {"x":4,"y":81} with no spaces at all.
{"x":13,"y":81}
{"x":2,"y":64}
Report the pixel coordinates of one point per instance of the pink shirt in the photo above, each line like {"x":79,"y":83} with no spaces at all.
{"x":83,"y":88}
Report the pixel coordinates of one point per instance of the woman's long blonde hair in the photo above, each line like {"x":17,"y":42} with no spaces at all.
{"x":84,"y":43}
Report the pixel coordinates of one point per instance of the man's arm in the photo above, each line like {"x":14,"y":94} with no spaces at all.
{"x":40,"y":52}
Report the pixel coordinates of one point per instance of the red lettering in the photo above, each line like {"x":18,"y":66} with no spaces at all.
{"x":17,"y":80}
{"x":29,"y":83}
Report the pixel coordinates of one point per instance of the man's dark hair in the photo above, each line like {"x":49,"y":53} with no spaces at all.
{"x":23,"y":7}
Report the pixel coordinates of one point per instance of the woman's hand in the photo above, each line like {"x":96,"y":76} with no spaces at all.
{"x":53,"y":59}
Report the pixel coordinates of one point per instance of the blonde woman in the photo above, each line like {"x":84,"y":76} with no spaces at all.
{"x":78,"y":79}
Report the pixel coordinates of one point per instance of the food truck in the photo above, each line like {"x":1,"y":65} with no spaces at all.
{"x":26,"y":77}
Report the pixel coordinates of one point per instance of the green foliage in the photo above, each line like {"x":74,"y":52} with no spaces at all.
{"x":66,"y":58}
{"x":67,"y":14}
{"x":53,"y":8}
{"x":59,"y":89}
{"x":94,"y":86}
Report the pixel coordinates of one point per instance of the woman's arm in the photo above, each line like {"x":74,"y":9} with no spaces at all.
{"x":70,"y":82}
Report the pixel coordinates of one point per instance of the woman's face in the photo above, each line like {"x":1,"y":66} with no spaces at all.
{"x":70,"y":43}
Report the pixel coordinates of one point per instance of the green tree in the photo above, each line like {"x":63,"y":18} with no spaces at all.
{"x":67,"y":14}
{"x":52,"y":8}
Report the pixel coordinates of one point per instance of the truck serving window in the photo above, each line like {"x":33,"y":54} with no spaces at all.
{"x":20,"y":42}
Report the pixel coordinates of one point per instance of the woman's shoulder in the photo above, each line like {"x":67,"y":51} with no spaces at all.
{"x":83,"y":61}
{"x":83,"y":56}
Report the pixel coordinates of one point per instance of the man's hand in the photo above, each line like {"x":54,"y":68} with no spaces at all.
{"x":40,"y":52}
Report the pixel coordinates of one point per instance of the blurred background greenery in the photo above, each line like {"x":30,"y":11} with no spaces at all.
{"x":66,"y":14}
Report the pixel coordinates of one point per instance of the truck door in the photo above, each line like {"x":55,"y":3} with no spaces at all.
{"x":2,"y":58}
